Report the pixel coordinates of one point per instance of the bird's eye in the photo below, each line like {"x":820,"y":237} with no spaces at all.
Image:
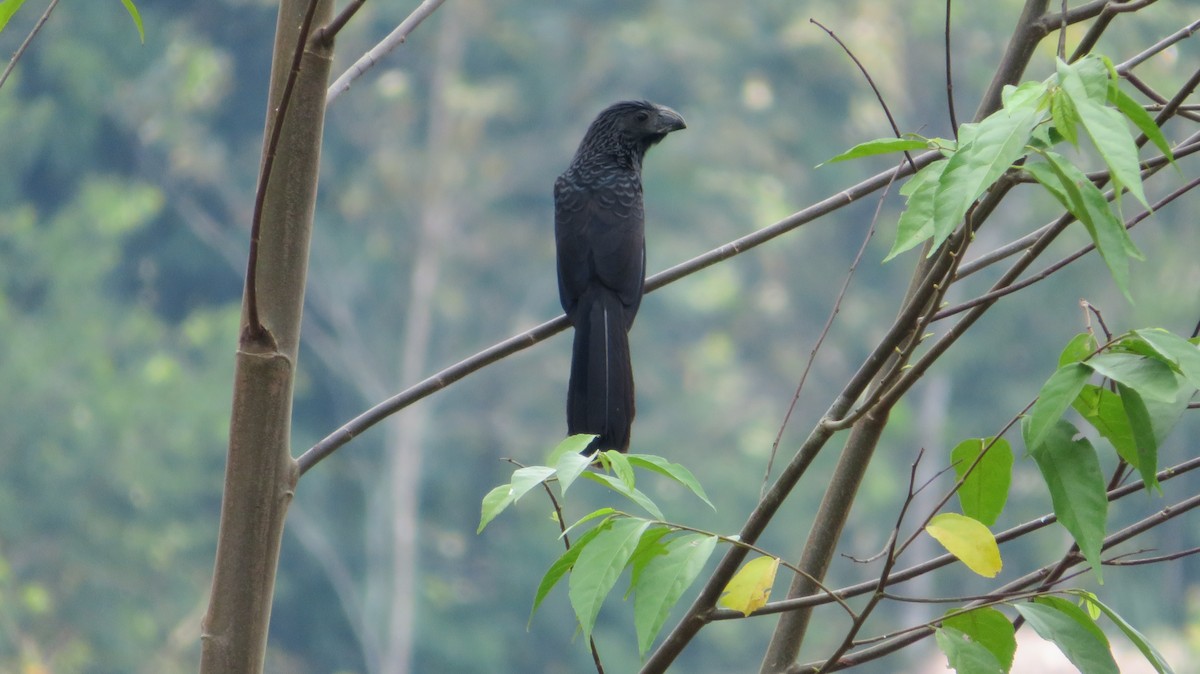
{"x":642,"y":116}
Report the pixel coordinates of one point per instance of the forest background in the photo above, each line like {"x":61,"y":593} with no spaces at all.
{"x":129,"y":174}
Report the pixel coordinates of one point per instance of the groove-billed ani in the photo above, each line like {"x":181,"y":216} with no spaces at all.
{"x":599,"y":228}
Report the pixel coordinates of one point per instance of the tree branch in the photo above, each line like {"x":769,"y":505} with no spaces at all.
{"x":921,"y":632}
{"x":12,"y":62}
{"x":931,"y":565}
{"x":376,"y":53}
{"x":524,"y":340}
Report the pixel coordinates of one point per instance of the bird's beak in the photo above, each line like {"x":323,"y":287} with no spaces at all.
{"x":669,"y":120}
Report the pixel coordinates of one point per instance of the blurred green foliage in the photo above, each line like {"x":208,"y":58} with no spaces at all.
{"x":129,"y":178}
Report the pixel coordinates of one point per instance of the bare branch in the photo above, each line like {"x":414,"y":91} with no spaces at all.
{"x":997,"y":293}
{"x":950,"y":76}
{"x":376,"y":53}
{"x":12,"y":62}
{"x":1181,"y":34}
{"x":522,"y":341}
{"x":920,"y":632}
{"x":1025,"y":38}
{"x":883,"y":104}
{"x":928,"y":566}
{"x":325,"y":35}
{"x":1156,"y":559}
{"x":812,"y":355}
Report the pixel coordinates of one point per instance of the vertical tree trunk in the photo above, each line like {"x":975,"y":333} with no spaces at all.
{"x":260,"y":474}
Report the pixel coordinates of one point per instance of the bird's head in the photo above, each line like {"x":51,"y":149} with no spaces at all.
{"x":631,"y":126}
{"x":645,"y":122}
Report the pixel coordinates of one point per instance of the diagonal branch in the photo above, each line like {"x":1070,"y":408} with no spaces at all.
{"x":12,"y":62}
{"x":376,"y":53}
{"x":524,"y":340}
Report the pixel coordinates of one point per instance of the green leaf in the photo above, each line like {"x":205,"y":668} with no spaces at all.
{"x":632,"y":494}
{"x":599,"y":565}
{"x":985,"y":490}
{"x":999,"y":141}
{"x":621,"y":468}
{"x":1087,"y":203}
{"x":1093,"y":73}
{"x":600,"y":512}
{"x":1150,"y":377}
{"x":1075,"y":612}
{"x":1152,"y":655}
{"x":916,"y":222}
{"x":989,"y":628}
{"x":675,"y":471}
{"x":1106,"y":411}
{"x":1065,"y":116}
{"x":1107,"y":130}
{"x":968,"y":540}
{"x":649,"y":546}
{"x":560,"y":567}
{"x":1071,"y":470}
{"x":1025,"y":95}
{"x":1103,"y":410}
{"x":663,"y":580}
{"x":1176,"y":350}
{"x":570,"y":466}
{"x":572,"y":444}
{"x":966,"y":656}
{"x":1142,"y":120}
{"x":137,"y":18}
{"x":1142,"y":429}
{"x":880,"y":146}
{"x":7,"y":9}
{"x":494,"y":503}
{"x":1081,"y":347}
{"x":1085,"y":647}
{"x":1057,"y":394}
{"x":524,"y":479}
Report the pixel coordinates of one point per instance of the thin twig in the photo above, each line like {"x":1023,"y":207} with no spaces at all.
{"x":1062,"y":32}
{"x":879,"y":96}
{"x":917,"y":570}
{"x":1160,"y":46}
{"x":997,"y":293}
{"x":737,"y":542}
{"x":562,"y":528}
{"x":950,"y":77}
{"x":323,"y":37}
{"x":1185,"y":148}
{"x":376,"y":53}
{"x":888,"y":564}
{"x":935,"y":284}
{"x":812,"y":355}
{"x":1156,"y":559}
{"x":963,"y":478}
{"x":1070,"y":558}
{"x":12,"y":62}
{"x":900,"y":639}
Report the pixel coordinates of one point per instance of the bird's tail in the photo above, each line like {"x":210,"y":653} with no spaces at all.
{"x":600,"y":393}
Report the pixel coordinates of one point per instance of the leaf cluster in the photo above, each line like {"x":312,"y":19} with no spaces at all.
{"x":1082,"y":99}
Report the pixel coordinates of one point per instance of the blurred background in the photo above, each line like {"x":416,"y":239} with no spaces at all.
{"x":128,"y":175}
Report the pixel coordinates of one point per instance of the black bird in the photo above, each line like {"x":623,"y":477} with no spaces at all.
{"x":599,"y":227}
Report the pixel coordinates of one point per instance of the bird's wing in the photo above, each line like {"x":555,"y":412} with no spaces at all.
{"x":601,"y":239}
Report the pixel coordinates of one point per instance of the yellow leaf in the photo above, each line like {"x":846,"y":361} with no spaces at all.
{"x":968,"y":540}
{"x":749,"y":588}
